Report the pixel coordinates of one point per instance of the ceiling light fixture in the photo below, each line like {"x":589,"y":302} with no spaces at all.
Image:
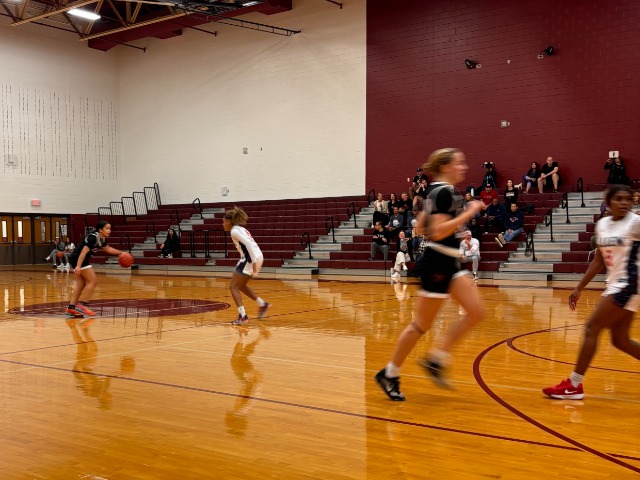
{"x":76,"y":12}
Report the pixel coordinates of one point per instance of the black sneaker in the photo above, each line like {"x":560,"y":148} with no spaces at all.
{"x":390,"y":386}
{"x":436,"y":372}
{"x":262,"y":311}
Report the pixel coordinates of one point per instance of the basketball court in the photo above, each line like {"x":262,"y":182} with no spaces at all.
{"x":160,"y":386}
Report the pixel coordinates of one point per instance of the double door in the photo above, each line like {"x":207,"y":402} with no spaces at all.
{"x":26,"y":239}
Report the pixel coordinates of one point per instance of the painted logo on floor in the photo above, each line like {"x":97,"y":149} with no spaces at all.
{"x":130,"y":307}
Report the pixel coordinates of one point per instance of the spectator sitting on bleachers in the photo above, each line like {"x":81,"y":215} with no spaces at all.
{"x":470,"y":252}
{"x":59,"y":248}
{"x":68,"y":250}
{"x":420,"y":194}
{"x":379,"y":242}
{"x":617,"y":173}
{"x":495,"y":215}
{"x":402,"y":257}
{"x":395,"y":225}
{"x":380,"y":210}
{"x":405,"y":205}
{"x":513,"y":226}
{"x":530,"y":177}
{"x":635,"y":205}
{"x":393,"y":202}
{"x":549,"y":170}
{"x":413,"y":215}
{"x":170,"y":245}
{"x":468,"y":198}
{"x":474,"y":228}
{"x":487,"y":195}
{"x":510,"y":194}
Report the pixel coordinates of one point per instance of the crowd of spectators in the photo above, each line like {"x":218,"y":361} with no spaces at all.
{"x":502,"y":212}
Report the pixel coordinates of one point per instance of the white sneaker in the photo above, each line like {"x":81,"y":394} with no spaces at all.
{"x":392,"y":271}
{"x":499,"y":242}
{"x":502,"y":240}
{"x":67,"y":268}
{"x":395,"y":276}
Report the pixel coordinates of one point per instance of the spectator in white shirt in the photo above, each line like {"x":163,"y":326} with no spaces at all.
{"x":470,"y":252}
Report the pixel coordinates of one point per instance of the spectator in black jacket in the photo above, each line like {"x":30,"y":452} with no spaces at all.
{"x":495,"y":215}
{"x":379,"y":242}
{"x":617,"y":172}
{"x":510,"y":194}
{"x":513,"y":226}
{"x":170,"y":245}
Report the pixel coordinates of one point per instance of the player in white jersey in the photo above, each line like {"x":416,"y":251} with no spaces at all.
{"x":248,"y":266}
{"x":618,"y":242}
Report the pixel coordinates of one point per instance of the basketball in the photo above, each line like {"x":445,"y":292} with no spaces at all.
{"x":125,"y":260}
{"x":59,"y":254}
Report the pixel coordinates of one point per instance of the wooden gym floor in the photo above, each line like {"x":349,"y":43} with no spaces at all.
{"x":160,"y":387}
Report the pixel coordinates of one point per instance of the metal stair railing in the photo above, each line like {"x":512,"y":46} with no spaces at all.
{"x":351,"y":210}
{"x":548,"y":222}
{"x":330,"y":228}
{"x":530,"y":249}
{"x":305,"y":241}
{"x":580,"y":190}
{"x":564,"y":203}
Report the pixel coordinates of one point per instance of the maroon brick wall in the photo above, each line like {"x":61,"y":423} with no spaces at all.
{"x":576,"y":105}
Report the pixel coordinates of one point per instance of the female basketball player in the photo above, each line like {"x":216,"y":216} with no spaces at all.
{"x":80,"y":261}
{"x":249,"y":264}
{"x":438,"y":272}
{"x":618,"y":240}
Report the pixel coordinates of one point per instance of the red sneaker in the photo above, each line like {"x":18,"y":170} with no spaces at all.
{"x":71,"y":312}
{"x":86,"y":310}
{"x":565,"y":391}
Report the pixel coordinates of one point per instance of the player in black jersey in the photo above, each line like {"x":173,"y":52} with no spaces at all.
{"x":80,"y":261}
{"x":441,"y":220}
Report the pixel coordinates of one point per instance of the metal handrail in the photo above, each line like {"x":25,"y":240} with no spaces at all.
{"x":530,"y":249}
{"x":128,"y":243}
{"x":564,"y":203}
{"x":177,"y":217}
{"x":351,"y":210}
{"x":156,"y":187}
{"x":306,"y":243}
{"x":144,"y":197}
{"x":548,"y":222}
{"x":199,"y":206}
{"x":153,"y":229}
{"x":371,"y":196}
{"x":580,"y":189}
{"x":330,"y":228}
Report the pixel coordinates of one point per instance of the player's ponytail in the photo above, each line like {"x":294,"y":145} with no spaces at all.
{"x":236,"y":216}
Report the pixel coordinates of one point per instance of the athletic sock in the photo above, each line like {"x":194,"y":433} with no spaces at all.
{"x":576,"y":379}
{"x":391,"y":371}
{"x":440,"y":357}
{"x":261,"y":302}
{"x":242,"y":312}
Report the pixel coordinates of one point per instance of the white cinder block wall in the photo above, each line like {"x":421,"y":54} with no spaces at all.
{"x":87,"y":127}
{"x":58,"y":107}
{"x":189,"y":106}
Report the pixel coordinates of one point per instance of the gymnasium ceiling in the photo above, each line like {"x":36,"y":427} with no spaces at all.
{"x":124,"y":21}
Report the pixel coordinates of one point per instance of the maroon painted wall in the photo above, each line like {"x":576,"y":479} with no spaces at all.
{"x":576,"y":105}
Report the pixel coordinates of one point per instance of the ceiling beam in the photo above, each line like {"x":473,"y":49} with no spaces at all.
{"x":54,"y":12}
{"x":134,"y":25}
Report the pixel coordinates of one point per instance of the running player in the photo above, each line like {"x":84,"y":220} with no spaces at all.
{"x":248,"y":266}
{"x":80,"y":261}
{"x":618,"y":241}
{"x":438,"y":272}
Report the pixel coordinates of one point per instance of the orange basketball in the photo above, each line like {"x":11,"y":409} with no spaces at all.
{"x":59,"y":254}
{"x":125,"y":260}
